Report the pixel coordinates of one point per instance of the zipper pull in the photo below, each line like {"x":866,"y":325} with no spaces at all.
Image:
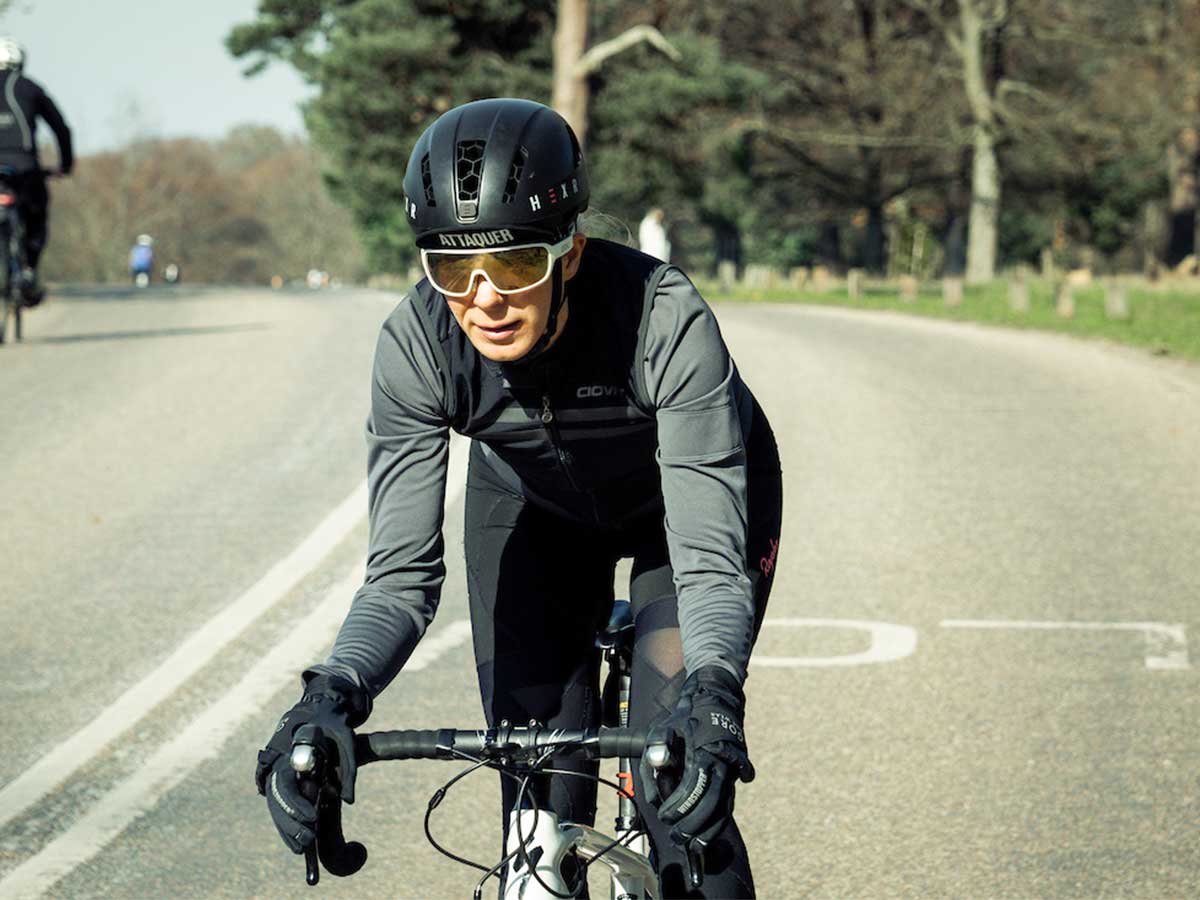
{"x":547,"y":412}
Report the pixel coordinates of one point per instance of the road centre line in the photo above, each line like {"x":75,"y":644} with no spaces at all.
{"x":198,"y":650}
{"x":203,"y":739}
{"x":191,"y":656}
{"x":1166,"y":643}
{"x":204,"y":736}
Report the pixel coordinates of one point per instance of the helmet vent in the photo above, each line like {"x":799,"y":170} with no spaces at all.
{"x":427,"y":181}
{"x":469,"y":167}
{"x":514,"y":174}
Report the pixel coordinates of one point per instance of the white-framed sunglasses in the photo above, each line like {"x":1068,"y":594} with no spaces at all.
{"x":507,"y":269}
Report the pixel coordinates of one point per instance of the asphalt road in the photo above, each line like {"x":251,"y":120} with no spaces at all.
{"x":975,"y":679}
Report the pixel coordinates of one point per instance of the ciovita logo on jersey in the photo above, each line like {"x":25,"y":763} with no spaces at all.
{"x":588,"y":391}
{"x":552,"y":195}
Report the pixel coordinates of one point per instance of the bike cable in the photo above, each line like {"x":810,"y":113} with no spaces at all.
{"x":536,"y":768}
{"x":524,"y":778}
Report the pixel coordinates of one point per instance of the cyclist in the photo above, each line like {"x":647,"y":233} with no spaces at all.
{"x":22,"y":103}
{"x":141,"y":260}
{"x":608,"y":422}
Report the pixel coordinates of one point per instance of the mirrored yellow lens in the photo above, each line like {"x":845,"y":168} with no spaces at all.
{"x":516,"y":269}
{"x":449,"y":273}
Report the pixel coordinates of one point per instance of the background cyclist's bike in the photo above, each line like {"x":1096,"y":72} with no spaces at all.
{"x":12,"y":252}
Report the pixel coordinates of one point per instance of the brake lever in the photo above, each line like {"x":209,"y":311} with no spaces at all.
{"x":308,"y":762}
{"x":330,"y":849}
{"x":695,"y":861}
{"x":661,"y":757}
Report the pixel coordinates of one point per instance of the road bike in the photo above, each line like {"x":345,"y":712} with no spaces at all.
{"x":13,"y":262}
{"x":544,"y":857}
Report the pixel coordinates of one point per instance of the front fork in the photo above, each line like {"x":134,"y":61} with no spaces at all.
{"x":627,"y":814}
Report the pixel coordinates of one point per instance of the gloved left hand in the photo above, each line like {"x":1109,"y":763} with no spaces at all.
{"x":336,"y":705}
{"x":707,"y":726}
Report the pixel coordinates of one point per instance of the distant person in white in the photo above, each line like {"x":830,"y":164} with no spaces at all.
{"x":652,"y":236}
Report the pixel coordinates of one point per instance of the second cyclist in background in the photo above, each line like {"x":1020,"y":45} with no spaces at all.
{"x":22,"y":103}
{"x":141,"y":260}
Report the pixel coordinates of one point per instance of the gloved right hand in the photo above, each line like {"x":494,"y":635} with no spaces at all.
{"x":336,"y":705}
{"x":706,"y":726}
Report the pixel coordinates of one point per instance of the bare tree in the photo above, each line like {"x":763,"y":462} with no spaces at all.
{"x":242,"y":209}
{"x":574,"y":62}
{"x":857,"y":110}
{"x":968,"y":34}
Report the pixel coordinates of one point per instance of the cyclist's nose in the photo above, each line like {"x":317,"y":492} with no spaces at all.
{"x":486,"y":295}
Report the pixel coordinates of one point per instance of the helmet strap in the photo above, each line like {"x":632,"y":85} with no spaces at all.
{"x":558,"y":297}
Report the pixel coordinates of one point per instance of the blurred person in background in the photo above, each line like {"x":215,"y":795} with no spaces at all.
{"x":652,"y":235}
{"x":22,"y":103}
{"x":141,"y":260}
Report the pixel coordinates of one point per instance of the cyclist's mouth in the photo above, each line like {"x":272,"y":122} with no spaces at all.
{"x":499,"y":331}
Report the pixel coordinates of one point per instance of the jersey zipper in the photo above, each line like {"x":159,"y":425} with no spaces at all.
{"x":552,"y":432}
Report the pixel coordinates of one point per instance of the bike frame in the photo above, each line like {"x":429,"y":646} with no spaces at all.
{"x":11,"y":261}
{"x":632,"y":876}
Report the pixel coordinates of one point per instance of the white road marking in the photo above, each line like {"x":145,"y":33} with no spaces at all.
{"x":203,"y":738}
{"x":193,"y":654}
{"x":1166,"y":643}
{"x":888,"y":643}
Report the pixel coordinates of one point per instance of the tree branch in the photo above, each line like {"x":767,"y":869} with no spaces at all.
{"x":838,"y":139}
{"x":997,"y":18}
{"x":595,"y":57}
{"x":931,"y":11}
{"x":1009,"y":86}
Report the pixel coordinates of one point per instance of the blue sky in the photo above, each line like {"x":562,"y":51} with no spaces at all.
{"x":119,"y":69}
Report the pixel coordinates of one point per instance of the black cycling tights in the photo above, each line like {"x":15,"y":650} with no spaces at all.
{"x":541,"y":587}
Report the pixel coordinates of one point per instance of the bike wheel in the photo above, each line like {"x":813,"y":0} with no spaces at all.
{"x":16,"y":268}
{"x":8,"y":300}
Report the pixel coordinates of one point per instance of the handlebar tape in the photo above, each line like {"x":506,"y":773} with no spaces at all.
{"x":339,"y":857}
{"x":620,"y":742}
{"x":370,"y":748}
{"x":381,"y":745}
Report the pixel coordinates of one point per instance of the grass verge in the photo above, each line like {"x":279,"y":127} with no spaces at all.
{"x":1164,"y":320}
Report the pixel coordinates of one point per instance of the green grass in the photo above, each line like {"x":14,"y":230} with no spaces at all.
{"x":1163,"y":320}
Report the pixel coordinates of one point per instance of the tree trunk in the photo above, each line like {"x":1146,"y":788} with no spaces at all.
{"x":570,"y":96}
{"x":875,"y":245}
{"x":829,"y":245}
{"x":985,"y":171}
{"x":1181,"y":173}
{"x":729,"y":243}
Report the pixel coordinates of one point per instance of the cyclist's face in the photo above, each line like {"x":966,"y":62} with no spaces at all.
{"x":505,"y":326}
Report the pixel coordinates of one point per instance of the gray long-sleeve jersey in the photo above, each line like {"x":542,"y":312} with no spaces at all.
{"x":636,"y":410}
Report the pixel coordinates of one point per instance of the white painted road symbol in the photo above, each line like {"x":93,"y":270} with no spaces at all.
{"x":1166,"y":643}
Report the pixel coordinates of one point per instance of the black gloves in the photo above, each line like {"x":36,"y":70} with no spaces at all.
{"x":707,"y":726}
{"x":335,"y":705}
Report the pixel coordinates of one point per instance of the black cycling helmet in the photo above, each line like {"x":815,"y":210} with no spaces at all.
{"x":495,"y":172}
